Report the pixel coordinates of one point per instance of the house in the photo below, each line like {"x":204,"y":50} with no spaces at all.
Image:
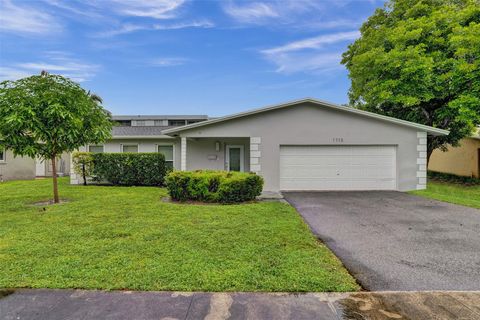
{"x":143,"y":133}
{"x":305,"y":144}
{"x":26,"y":168}
{"x":15,"y":168}
{"x":462,"y":161}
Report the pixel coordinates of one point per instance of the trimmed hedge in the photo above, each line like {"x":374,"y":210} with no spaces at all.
{"x":130,"y":169}
{"x":213,"y":186}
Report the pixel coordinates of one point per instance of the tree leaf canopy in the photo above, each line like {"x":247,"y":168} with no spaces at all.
{"x":420,"y":61}
{"x":46,"y":115}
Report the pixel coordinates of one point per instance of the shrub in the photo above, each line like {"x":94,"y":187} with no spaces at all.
{"x":452,"y":178}
{"x":83,"y":164}
{"x":214,"y":186}
{"x":130,"y":169}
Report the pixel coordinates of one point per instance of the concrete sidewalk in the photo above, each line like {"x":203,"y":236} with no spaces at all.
{"x":83,"y":304}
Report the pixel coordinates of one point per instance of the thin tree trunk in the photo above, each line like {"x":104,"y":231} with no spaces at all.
{"x":84,"y":175}
{"x":55,"y":182}
{"x":429,"y":154}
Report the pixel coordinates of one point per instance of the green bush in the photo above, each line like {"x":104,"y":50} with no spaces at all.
{"x":452,"y":178}
{"x":130,"y":169}
{"x":213,"y":186}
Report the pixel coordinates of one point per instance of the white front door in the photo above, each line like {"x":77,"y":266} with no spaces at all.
{"x":234,"y":158}
{"x":338,"y":168}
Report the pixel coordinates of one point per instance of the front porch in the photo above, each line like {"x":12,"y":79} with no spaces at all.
{"x":225,"y":153}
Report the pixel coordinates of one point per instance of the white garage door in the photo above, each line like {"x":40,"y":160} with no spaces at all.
{"x":337,"y":168}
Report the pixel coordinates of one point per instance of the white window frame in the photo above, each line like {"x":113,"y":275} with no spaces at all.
{"x":3,"y":155}
{"x":129,"y":145}
{"x":96,"y":145}
{"x":173,"y":150}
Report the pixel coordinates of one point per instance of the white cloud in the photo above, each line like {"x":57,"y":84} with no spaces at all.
{"x":252,"y":12}
{"x":157,"y":9}
{"x":7,"y":73}
{"x":321,"y":24}
{"x":80,"y":11}
{"x":278,"y":11}
{"x":25,"y":19}
{"x":316,"y":54}
{"x":315,"y":42}
{"x":168,"y":62}
{"x":130,"y":28}
{"x":295,"y":14}
{"x":183,"y":25}
{"x":54,"y":62}
{"x":307,"y":62}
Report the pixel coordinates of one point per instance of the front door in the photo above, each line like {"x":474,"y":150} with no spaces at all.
{"x":234,"y":158}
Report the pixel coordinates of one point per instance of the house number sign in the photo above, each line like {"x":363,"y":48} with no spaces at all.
{"x":337,"y":139}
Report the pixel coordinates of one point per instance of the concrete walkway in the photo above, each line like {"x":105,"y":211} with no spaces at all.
{"x":82,"y":304}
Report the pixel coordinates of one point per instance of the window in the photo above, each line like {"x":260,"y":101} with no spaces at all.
{"x":193,"y":121}
{"x":130,"y":148}
{"x":124,"y":123}
{"x":95,"y":149}
{"x":159,"y":123}
{"x":2,"y":154}
{"x":176,"y":123}
{"x":167,"y":151}
{"x":141,"y":123}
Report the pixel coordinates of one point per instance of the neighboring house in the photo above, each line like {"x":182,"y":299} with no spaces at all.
{"x":44,"y":168}
{"x":15,"y":168}
{"x":463,"y":160}
{"x":301,"y":145}
{"x":26,"y":168}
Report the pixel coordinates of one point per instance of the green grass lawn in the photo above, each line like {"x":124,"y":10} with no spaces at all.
{"x":127,"y":238}
{"x":453,"y":193}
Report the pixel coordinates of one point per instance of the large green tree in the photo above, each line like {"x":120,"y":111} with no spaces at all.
{"x":46,"y":115}
{"x":419,"y":60}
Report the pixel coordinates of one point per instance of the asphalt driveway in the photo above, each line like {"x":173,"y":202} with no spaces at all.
{"x":396,"y":241}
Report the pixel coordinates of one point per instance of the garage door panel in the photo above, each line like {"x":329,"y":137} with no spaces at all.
{"x":322,"y":172}
{"x":339,"y":185}
{"x":337,"y":168}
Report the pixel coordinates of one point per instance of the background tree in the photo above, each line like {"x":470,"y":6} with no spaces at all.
{"x":46,"y":115}
{"x":83,"y":164}
{"x":419,"y":60}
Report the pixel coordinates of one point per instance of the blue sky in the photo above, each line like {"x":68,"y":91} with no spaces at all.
{"x":185,"y":56}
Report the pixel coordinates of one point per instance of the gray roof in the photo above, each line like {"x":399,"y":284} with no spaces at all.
{"x":124,"y":131}
{"x":432,"y":130}
{"x":161,"y":117}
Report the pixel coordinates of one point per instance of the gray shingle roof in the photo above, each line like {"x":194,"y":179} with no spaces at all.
{"x":121,"y":131}
{"x":161,"y":117}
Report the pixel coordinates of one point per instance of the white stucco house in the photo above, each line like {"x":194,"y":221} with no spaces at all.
{"x":305,"y":144}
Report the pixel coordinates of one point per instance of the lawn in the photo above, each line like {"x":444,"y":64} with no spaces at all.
{"x":127,"y":238}
{"x":453,"y":193}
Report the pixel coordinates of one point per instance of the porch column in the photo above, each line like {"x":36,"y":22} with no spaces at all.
{"x":422,"y":160}
{"x":183,"y":154}
{"x":255,"y":155}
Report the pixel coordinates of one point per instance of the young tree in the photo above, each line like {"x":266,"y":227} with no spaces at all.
{"x":83,"y":164}
{"x":419,"y":60}
{"x":46,"y":115}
